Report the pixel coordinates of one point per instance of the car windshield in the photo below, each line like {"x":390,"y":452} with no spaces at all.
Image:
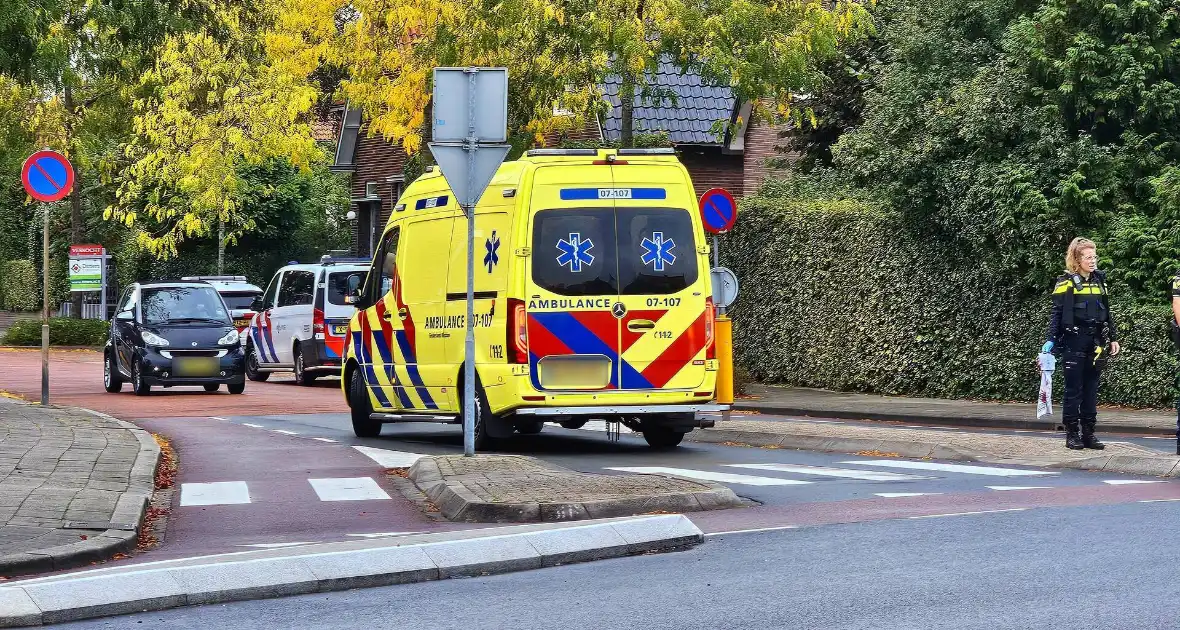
{"x":173,"y":304}
{"x":239,"y":301}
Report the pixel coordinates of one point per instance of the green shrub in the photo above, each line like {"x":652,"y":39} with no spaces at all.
{"x":20,"y":290}
{"x":63,"y":331}
{"x":839,"y":295}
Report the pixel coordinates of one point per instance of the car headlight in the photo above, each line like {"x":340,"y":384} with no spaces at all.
{"x":153,"y":339}
{"x":229,"y":339}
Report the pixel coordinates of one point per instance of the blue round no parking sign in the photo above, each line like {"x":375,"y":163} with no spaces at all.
{"x":47,"y":176}
{"x":718,"y":210}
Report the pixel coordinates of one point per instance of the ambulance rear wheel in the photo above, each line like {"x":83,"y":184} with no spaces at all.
{"x":573,"y":424}
{"x":358,"y":400}
{"x":252,"y":372}
{"x":483,"y":417}
{"x":530,"y":428}
{"x":660,"y":437}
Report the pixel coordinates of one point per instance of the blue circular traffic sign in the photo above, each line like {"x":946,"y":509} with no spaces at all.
{"x":718,"y":210}
{"x":47,"y":176}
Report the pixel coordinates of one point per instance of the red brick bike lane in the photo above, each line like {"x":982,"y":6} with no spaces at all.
{"x":75,"y":378}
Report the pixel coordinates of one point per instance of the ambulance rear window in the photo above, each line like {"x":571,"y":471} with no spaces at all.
{"x":574,"y":251}
{"x":657,"y":254}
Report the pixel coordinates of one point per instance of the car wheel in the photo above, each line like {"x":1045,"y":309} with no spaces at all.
{"x":252,"y":372}
{"x":660,"y":437}
{"x":483,"y":416}
{"x":212,"y":387}
{"x":301,"y":375}
{"x":138,"y":385}
{"x":530,"y":428}
{"x":236,"y":388}
{"x":362,"y":408}
{"x":573,"y":424}
{"x":111,"y":379}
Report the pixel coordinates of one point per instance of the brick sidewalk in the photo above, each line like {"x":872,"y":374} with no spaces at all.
{"x":73,"y":486}
{"x":819,"y":403}
{"x":515,"y":488}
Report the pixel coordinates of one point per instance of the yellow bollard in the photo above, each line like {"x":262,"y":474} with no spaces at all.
{"x":724,"y":332}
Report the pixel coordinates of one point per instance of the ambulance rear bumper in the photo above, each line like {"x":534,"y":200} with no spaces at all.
{"x":628,"y":411}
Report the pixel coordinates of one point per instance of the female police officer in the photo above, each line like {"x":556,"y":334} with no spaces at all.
{"x":1079,"y":328}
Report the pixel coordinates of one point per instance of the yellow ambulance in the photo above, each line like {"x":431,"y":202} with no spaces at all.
{"x":592,"y":302}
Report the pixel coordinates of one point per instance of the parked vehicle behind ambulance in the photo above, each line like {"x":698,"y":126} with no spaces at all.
{"x":592,"y":301}
{"x":302,"y":318}
{"x":238,"y":295}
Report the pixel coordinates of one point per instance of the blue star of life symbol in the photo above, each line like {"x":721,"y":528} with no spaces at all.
{"x":575,"y":252}
{"x":492,"y":258}
{"x":658,"y":252}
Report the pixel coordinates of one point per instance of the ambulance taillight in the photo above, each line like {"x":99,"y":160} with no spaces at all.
{"x":710,"y":314}
{"x":518,"y":332}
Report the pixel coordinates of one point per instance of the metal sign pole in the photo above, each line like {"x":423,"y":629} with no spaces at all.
{"x":45,"y":305}
{"x":469,"y":341}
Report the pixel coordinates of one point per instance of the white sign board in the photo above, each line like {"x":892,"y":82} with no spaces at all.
{"x":85,"y":274}
{"x":455,"y":102}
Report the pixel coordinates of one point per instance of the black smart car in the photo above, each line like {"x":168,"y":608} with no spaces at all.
{"x":173,"y":333}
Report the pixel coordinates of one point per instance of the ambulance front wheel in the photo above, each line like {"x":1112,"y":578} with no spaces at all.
{"x":363,"y":425}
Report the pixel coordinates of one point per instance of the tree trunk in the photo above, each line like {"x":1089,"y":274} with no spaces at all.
{"x":220,"y":246}
{"x":77,"y":222}
{"x":627,"y":113}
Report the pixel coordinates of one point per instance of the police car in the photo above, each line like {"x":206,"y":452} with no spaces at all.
{"x":237,"y":293}
{"x":592,"y":300}
{"x":302,"y":318}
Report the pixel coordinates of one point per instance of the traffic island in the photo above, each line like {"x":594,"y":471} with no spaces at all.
{"x":74,"y":485}
{"x":519,"y":489}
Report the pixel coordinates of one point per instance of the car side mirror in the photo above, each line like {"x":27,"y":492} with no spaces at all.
{"x":126,"y":315}
{"x":256,"y":304}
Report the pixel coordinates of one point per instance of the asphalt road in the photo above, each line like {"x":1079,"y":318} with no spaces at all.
{"x":1084,"y":567}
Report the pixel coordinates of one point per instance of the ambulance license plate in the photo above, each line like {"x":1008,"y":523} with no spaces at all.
{"x":339,"y":329}
{"x":195,"y":366}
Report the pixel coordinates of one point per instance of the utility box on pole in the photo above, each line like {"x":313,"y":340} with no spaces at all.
{"x":470,"y":127}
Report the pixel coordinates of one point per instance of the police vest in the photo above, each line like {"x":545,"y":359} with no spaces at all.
{"x":1086,"y":301}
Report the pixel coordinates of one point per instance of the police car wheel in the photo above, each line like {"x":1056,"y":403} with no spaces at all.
{"x":252,"y":372}
{"x":301,"y":375}
{"x":111,"y":379}
{"x":358,"y":400}
{"x":659,"y":437}
{"x":138,"y":385}
{"x":212,"y":387}
{"x":236,"y":388}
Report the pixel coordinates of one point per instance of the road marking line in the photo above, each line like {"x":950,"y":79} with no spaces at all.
{"x":956,"y":468}
{"x":1158,"y":500}
{"x":383,"y":534}
{"x":389,"y":459}
{"x":898,"y":495}
{"x":752,"y":531}
{"x":748,"y":480}
{"x":215,"y":493}
{"x":970,"y":513}
{"x":278,"y":545}
{"x":1003,"y":488}
{"x":348,"y":489}
{"x":328,"y":440}
{"x":823,"y":471}
{"x":255,"y":426}
{"x":219,"y":418}
{"x":1128,"y":482}
{"x":285,"y":432}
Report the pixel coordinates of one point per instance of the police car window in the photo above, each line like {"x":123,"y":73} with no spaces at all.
{"x":338,"y":286}
{"x":297,"y":289}
{"x":268,"y":298}
{"x":238,"y":301}
{"x":657,"y":254}
{"x":574,"y":251}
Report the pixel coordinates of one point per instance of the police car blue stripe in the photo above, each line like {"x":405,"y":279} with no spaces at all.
{"x":270,"y":344}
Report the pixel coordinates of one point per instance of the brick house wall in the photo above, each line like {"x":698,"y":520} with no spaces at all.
{"x":762,"y":142}
{"x":710,"y":168}
{"x":376,"y":161}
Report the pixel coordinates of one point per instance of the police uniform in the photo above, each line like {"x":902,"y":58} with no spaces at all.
{"x":1080,"y":328}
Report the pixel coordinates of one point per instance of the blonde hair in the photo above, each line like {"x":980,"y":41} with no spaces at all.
{"x":1073,"y":256}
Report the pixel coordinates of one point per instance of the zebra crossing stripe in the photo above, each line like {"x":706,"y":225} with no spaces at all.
{"x":898,"y":495}
{"x":954,"y":468}
{"x":823,"y":471}
{"x":388,"y":458}
{"x":747,"y":480}
{"x":214,"y":493}
{"x":348,"y":489}
{"x":1007,"y":488}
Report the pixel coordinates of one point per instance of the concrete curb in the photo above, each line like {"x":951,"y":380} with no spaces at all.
{"x":334,"y":567}
{"x":1160,"y":466}
{"x":459,"y":504}
{"x":969,"y":420}
{"x":126,"y":518}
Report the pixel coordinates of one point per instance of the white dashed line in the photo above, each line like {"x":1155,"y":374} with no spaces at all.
{"x":253,"y":426}
{"x":969,"y":513}
{"x":898,"y":495}
{"x":753,"y":531}
{"x":285,"y":432}
{"x":328,"y":440}
{"x":1129,"y":482}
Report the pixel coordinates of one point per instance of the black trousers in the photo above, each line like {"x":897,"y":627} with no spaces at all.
{"x":1082,"y":374}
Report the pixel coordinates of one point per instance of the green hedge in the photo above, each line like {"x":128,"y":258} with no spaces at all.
{"x":19,"y":286}
{"x":63,"y":331}
{"x":839,"y":295}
